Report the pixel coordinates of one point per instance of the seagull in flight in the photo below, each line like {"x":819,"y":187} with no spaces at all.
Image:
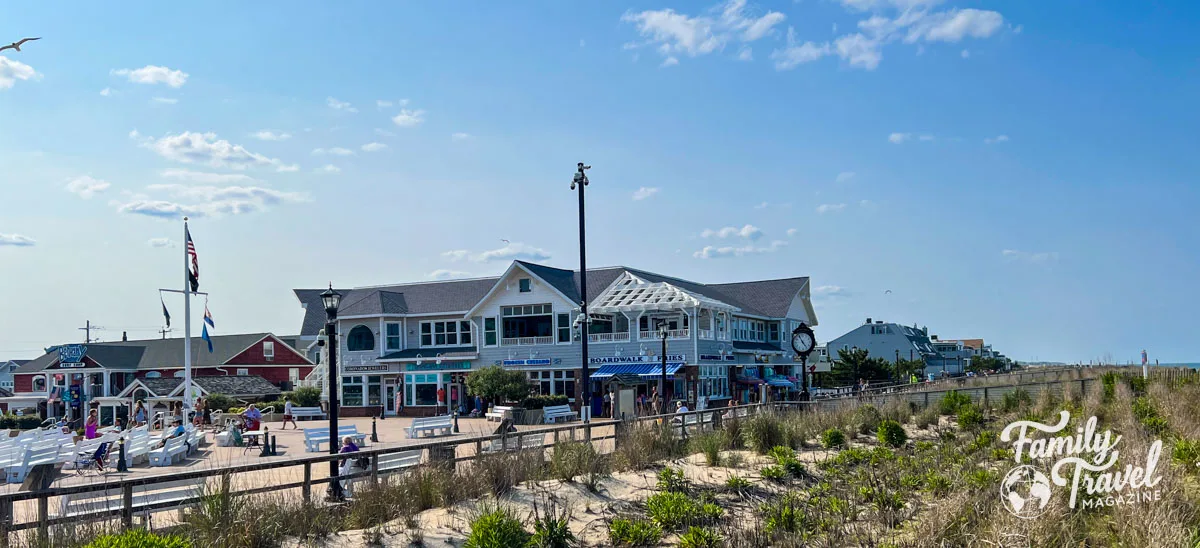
{"x":888,"y":292}
{"x":17,"y":45}
{"x":505,"y":241}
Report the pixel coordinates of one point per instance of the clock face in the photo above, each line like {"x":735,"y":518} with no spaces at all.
{"x":802,"y":342}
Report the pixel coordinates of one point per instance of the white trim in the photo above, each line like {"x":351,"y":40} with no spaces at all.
{"x":433,"y":334}
{"x":491,"y":292}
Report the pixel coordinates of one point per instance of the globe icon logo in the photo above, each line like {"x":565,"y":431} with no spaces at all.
{"x":1025,"y":491}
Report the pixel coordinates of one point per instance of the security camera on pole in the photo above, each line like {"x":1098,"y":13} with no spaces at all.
{"x":580,"y":182}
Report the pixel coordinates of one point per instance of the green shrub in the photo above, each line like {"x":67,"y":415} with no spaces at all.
{"x":139,"y":538}
{"x":306,"y":396}
{"x":700,"y":537}
{"x":763,"y":432}
{"x":952,"y":401}
{"x":672,"y":480}
{"x":643,"y":445}
{"x":784,"y":515}
{"x":1137,"y":385}
{"x":1001,"y":453}
{"x":543,"y":401}
{"x":711,"y":444}
{"x":496,"y":527}
{"x":220,"y":402}
{"x":781,"y":454}
{"x":866,"y":419}
{"x":1015,"y":400}
{"x":675,"y":510}
{"x":1187,"y":453}
{"x":8,"y":422}
{"x":926,"y":418}
{"x":890,"y":433}
{"x":1156,"y":426}
{"x":737,"y":483}
{"x":552,"y":531}
{"x":970,"y":416}
{"x":833,"y":438}
{"x":28,"y":422}
{"x":626,"y":532}
{"x":937,"y":484}
{"x":982,"y":479}
{"x":1109,"y":380}
{"x":983,"y":440}
{"x":574,"y":459}
{"x":1143,"y":409}
{"x":774,"y":472}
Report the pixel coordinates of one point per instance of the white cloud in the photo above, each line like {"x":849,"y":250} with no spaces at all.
{"x":866,"y":204}
{"x":750,"y":232}
{"x":204,"y":148}
{"x":335,"y":151}
{"x":446,"y":274}
{"x":384,"y":133}
{"x":792,"y":232}
{"x":380,"y":103}
{"x":208,"y":194}
{"x":797,"y":53}
{"x":859,"y":50}
{"x":460,"y":136}
{"x":763,"y":205}
{"x":11,"y":71}
{"x":1028,"y":257}
{"x":86,"y":187}
{"x":339,"y":105}
{"x":268,"y":135}
{"x":926,"y":137}
{"x":897,"y":138}
{"x":830,"y":291}
{"x":409,"y":118}
{"x":965,"y":54}
{"x":669,"y":62}
{"x":746,"y":54}
{"x":713,"y":252}
{"x":106,"y":92}
{"x":164,"y":100}
{"x":159,"y":209}
{"x":996,"y":139}
{"x":644,"y":192}
{"x":151,"y":74}
{"x":910,"y":22}
{"x":830,"y":208}
{"x":373,"y":147}
{"x":329,"y":168}
{"x":160,"y":242}
{"x":205,"y":201}
{"x":205,"y":177}
{"x":954,"y":25}
{"x":16,"y":240}
{"x":672,"y":33}
{"x":510,"y":252}
{"x":845,"y":176}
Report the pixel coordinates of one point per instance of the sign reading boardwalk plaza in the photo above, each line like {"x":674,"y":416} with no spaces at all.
{"x":636,"y":359}
{"x":1087,"y":460}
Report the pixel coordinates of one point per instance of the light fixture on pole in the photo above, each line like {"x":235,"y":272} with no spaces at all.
{"x":580,"y":182}
{"x":331,"y":299}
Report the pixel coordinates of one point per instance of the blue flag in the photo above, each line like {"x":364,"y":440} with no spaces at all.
{"x":207,"y":339}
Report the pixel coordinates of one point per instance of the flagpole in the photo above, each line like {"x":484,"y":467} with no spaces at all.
{"x":187,"y":329}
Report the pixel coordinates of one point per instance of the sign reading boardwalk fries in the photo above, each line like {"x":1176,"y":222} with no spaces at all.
{"x":1087,"y":463}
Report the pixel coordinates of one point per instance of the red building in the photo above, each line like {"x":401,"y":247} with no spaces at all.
{"x":71,"y":377}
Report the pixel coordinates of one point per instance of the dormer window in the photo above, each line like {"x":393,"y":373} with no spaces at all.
{"x":525,"y":285}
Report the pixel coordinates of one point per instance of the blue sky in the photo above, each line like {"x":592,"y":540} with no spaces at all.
{"x":1022,"y":172}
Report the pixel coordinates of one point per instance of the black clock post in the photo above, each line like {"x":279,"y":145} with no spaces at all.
{"x":804,"y":341}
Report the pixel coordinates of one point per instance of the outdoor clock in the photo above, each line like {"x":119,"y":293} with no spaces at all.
{"x":803,"y":340}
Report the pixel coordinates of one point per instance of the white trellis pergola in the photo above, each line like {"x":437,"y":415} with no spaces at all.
{"x":633,"y":294}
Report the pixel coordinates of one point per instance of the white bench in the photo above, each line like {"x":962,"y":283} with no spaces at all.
{"x":166,"y":455}
{"x":307,"y":413}
{"x":499,"y":413}
{"x":314,"y":437}
{"x":551,"y":414}
{"x":34,"y":455}
{"x":517,"y":442}
{"x":137,"y":446}
{"x":144,"y":497}
{"x":432,"y":425}
{"x":395,"y":462}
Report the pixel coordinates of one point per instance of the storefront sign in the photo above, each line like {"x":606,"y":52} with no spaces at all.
{"x":71,"y":353}
{"x":543,"y":361}
{"x":71,"y":364}
{"x":716,"y":357}
{"x":437,"y":366}
{"x":637,"y":359}
{"x":365,"y":368}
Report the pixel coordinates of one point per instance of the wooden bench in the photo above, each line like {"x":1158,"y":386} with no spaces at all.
{"x":166,"y":455}
{"x":314,"y":437}
{"x":550,"y":415}
{"x":517,"y":442}
{"x":307,"y":413}
{"x":145,"y":499}
{"x":499,"y":413}
{"x":433,"y":425}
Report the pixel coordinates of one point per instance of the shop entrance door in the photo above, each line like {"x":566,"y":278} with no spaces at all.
{"x":390,"y":391}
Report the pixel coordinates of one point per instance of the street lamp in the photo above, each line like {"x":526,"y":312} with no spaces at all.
{"x":332,"y":299}
{"x":580,"y":181}
{"x":662,"y":383}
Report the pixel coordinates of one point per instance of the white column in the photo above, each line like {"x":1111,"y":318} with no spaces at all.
{"x":105,"y":375}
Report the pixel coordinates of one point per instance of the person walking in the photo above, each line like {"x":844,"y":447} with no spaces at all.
{"x":139,"y":414}
{"x":287,"y":414}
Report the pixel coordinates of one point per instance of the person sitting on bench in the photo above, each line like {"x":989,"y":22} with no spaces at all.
{"x":176,"y":432}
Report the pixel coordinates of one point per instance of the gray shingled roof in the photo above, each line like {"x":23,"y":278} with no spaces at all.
{"x":229,"y":385}
{"x":769,"y":298}
{"x":428,"y":353}
{"x":157,"y":353}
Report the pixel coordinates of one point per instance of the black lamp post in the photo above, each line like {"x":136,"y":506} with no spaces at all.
{"x":580,"y":181}
{"x":662,"y":383}
{"x":804,"y":341}
{"x":332,"y":299}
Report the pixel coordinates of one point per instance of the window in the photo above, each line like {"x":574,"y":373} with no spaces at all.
{"x":526,"y":310}
{"x":525,"y":284}
{"x":374,"y":390}
{"x":179,"y":374}
{"x":269,"y":350}
{"x":153,"y":375}
{"x":352,"y":391}
{"x":530,"y":320}
{"x":293,"y":374}
{"x":449,"y":333}
{"x":564,"y":328}
{"x":393,"y":336}
{"x":420,"y":389}
{"x":39,"y":384}
{"x":489,"y":331}
{"x":773,"y":331}
{"x":242,"y":372}
{"x":360,"y":339}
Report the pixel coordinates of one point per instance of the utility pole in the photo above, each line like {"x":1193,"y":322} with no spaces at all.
{"x":87,"y":332}
{"x":164,"y":332}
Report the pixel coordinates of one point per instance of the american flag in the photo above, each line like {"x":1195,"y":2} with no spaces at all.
{"x":194,"y":271}
{"x":1144,"y":360}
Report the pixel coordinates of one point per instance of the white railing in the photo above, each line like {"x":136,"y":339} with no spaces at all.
{"x":672,"y":334}
{"x":608,"y":337}
{"x":704,"y":333}
{"x":526,"y":341}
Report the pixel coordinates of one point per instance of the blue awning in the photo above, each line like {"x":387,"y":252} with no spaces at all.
{"x":781,"y":382}
{"x":644,"y":370}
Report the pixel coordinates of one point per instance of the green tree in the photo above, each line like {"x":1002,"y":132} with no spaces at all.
{"x":905,"y":369}
{"x":498,"y":384}
{"x":306,"y":396}
{"x":856,"y":363}
{"x":984,"y":363}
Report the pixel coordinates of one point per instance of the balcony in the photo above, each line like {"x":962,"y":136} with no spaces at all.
{"x":608,"y":337}
{"x":704,"y":333}
{"x":672,"y":334}
{"x":526,"y":341}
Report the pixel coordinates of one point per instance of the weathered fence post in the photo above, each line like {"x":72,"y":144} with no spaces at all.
{"x":6,"y":520}
{"x":43,"y":505}
{"x":307,"y":488}
{"x":127,"y":505}
{"x":375,"y":469}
